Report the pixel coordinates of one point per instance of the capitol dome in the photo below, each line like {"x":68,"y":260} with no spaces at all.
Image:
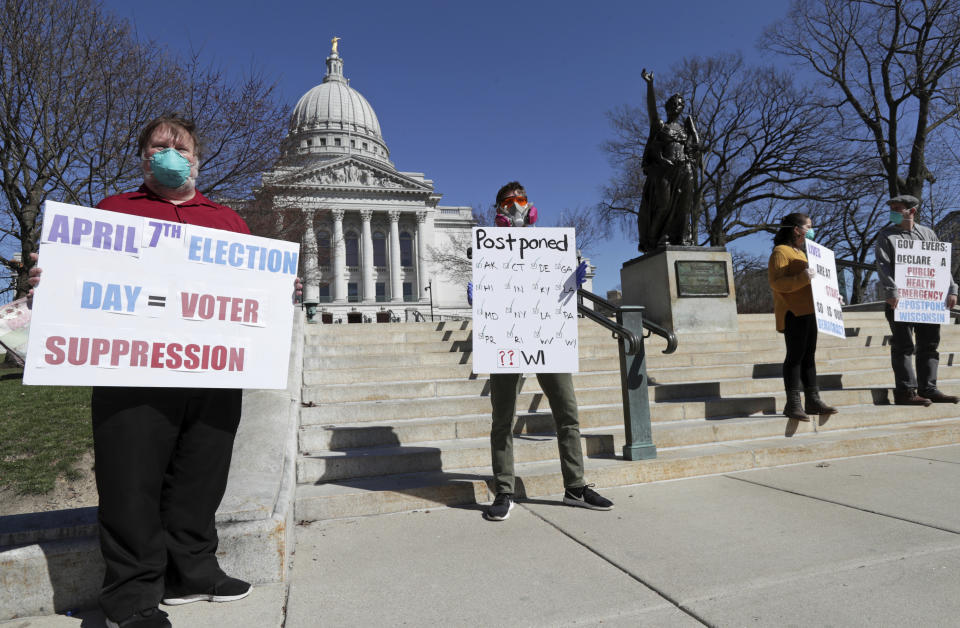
{"x":333,"y":120}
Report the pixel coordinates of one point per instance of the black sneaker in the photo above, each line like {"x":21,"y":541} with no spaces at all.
{"x":500,"y":508}
{"x":147,"y":618}
{"x":226,"y":590}
{"x":586,"y":497}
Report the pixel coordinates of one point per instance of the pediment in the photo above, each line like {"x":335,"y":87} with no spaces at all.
{"x":351,"y":173}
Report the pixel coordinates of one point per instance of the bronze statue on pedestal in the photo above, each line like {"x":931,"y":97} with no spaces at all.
{"x":670,"y":161}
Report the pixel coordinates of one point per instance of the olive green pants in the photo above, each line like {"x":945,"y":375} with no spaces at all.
{"x":558,"y":388}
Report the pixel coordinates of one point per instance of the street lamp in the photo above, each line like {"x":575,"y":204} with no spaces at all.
{"x":429,"y":289}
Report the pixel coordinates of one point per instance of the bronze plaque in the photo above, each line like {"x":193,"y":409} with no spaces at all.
{"x":701,"y":279}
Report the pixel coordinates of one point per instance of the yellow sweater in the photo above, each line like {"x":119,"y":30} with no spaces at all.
{"x":789,"y":282}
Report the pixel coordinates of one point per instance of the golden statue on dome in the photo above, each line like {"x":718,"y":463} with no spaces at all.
{"x":334,"y":41}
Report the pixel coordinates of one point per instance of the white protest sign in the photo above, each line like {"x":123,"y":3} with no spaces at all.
{"x":826,"y":290}
{"x":524,"y":300}
{"x":922,"y":275}
{"x":132,"y":301}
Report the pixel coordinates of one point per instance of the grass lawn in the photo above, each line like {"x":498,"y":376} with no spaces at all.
{"x":44,"y":430}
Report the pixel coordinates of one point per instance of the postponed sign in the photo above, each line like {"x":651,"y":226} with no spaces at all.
{"x":132,"y":301}
{"x":524,"y":300}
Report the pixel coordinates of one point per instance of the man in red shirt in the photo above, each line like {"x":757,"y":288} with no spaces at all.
{"x":163,"y":454}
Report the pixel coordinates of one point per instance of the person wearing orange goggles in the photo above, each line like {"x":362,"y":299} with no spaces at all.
{"x":513,"y":209}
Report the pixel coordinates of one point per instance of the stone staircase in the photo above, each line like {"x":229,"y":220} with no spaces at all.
{"x":394,"y":420}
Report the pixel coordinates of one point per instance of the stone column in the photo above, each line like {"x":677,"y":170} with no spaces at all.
{"x":368,"y":289}
{"x":396,"y":283}
{"x":339,"y":259}
{"x":423,"y":277}
{"x":311,"y":270}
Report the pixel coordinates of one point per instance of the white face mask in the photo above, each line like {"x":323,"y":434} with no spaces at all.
{"x":518,"y":214}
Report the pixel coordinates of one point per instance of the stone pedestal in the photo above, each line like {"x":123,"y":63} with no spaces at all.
{"x":683,"y":288}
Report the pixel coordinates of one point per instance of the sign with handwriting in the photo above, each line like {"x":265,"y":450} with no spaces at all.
{"x":524,"y":300}
{"x":826,"y":290}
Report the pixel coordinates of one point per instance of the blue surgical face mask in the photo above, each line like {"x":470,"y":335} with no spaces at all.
{"x":809,"y":234}
{"x":170,"y":168}
{"x":896,"y":217}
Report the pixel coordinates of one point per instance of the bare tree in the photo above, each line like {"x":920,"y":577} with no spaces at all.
{"x":451,"y":256}
{"x":750,"y":278}
{"x":891,"y":69}
{"x":763,"y":146}
{"x":590,"y":228}
{"x":76,"y":87}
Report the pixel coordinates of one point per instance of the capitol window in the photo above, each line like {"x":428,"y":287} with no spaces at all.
{"x":323,"y":248}
{"x":353,"y":248}
{"x":364,"y":146}
{"x":336,"y":141}
{"x":406,"y":250}
{"x":353,"y":143}
{"x":379,"y":249}
{"x":323,"y":141}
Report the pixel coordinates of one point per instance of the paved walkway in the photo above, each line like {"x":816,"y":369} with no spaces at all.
{"x":872,"y":541}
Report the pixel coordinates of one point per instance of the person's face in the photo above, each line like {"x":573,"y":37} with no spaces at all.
{"x":801,"y":230}
{"x":903,"y":209}
{"x":165,"y":136}
{"x":515,"y":196}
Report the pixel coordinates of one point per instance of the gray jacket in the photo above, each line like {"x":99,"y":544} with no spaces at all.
{"x":886,"y":252}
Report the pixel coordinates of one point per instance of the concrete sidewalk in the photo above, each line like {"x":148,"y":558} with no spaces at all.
{"x":869,"y":541}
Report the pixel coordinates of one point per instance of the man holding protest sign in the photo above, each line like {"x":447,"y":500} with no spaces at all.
{"x":162,"y":454}
{"x":895,"y":249}
{"x":513,"y":210}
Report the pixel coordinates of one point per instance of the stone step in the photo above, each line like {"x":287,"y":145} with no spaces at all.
{"x":428,"y":388}
{"x":744,"y":321}
{"x":407,"y":431}
{"x":417,"y":388}
{"x":404,"y":492}
{"x":602,"y":346}
{"x":655,"y":361}
{"x":530,"y":398}
{"x":437,"y":354}
{"x":329,"y":465}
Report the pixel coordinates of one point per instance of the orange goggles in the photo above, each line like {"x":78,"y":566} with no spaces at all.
{"x":510,"y":200}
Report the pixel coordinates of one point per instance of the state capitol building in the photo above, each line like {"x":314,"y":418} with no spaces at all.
{"x":370,"y":228}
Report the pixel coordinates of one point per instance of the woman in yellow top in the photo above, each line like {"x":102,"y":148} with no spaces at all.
{"x":789,"y":277}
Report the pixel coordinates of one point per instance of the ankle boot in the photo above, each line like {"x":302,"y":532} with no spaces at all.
{"x":794,"y":409}
{"x":813,"y":404}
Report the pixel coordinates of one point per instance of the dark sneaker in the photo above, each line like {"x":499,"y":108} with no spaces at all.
{"x":909,"y":397}
{"x":586,"y":497}
{"x":226,"y":590}
{"x":147,"y":618}
{"x":500,"y":508}
{"x":939,"y":397}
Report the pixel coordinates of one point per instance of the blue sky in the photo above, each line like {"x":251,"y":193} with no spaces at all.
{"x":474,"y":94}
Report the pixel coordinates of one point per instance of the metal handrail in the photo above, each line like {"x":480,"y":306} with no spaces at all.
{"x":619,"y":330}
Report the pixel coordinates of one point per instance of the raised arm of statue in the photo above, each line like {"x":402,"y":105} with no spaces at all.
{"x":651,"y":98}
{"x":693,"y":138}
{"x":334,"y":41}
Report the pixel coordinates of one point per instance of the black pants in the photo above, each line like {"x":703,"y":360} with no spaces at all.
{"x":800,"y":363}
{"x":162,"y":458}
{"x":903,"y":348}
